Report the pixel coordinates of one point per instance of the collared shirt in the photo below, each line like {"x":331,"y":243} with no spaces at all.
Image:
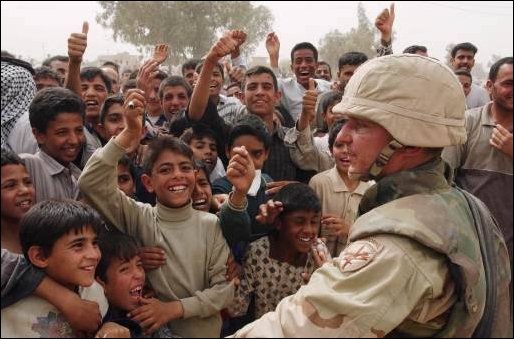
{"x":292,"y":93}
{"x":336,"y":199}
{"x":483,"y":170}
{"x":51,"y":179}
{"x":477,"y":97}
{"x":228,"y":106}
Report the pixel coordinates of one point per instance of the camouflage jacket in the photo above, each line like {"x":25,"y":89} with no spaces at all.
{"x":383,"y":282}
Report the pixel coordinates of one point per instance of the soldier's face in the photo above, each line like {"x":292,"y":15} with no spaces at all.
{"x":365,"y":141}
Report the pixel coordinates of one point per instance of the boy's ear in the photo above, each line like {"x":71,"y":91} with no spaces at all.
{"x":40,"y":136}
{"x":147,"y":182}
{"x":37,"y":257}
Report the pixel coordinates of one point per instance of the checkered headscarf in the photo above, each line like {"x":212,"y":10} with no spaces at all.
{"x":18,"y":90}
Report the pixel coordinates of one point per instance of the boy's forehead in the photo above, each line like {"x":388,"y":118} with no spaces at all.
{"x":205,"y":138}
{"x":172,"y":157}
{"x":263,"y":78}
{"x":9,"y":170}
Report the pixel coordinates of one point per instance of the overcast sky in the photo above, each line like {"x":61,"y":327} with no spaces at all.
{"x":37,"y":29}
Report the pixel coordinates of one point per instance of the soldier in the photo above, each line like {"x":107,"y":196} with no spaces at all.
{"x":424,"y":259}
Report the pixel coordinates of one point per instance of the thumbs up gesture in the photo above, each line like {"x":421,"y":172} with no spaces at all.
{"x":77,"y":43}
{"x":309,"y":100}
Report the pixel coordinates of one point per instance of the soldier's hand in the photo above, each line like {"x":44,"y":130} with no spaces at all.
{"x":77,"y":43}
{"x":384,"y":23}
{"x":113,"y":330}
{"x":320,"y":253}
{"x":272,"y":44}
{"x":501,"y":139}
{"x":269,"y":211}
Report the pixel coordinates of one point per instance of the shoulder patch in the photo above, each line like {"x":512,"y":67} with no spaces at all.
{"x":357,"y":255}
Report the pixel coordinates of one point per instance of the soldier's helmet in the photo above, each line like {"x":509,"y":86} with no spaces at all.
{"x":417,"y":99}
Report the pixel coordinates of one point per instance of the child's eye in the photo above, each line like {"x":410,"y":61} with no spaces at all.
{"x":165,"y":170}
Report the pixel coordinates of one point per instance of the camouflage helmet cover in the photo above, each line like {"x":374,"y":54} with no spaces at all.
{"x":417,"y":99}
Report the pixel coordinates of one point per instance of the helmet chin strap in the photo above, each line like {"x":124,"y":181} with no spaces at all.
{"x":379,"y":164}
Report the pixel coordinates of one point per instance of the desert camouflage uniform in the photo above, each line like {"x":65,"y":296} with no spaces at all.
{"x":414,"y":264}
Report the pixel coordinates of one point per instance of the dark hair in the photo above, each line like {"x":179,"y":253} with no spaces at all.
{"x":190,"y":64}
{"x":46,"y":72}
{"x":90,"y":73}
{"x":114,"y":245}
{"x":113,"y":99}
{"x":198,"y":68}
{"x":129,"y":84}
{"x":50,"y":102}
{"x":165,"y":143}
{"x":174,"y":81}
{"x":258,"y":70}
{"x":464,"y":72}
{"x":326,"y":64}
{"x":200,"y":166}
{"x":125,"y":161}
{"x":10,"y":158}
{"x":495,"y":68}
{"x":249,"y":124}
{"x":61,"y":58}
{"x":234,"y":84}
{"x":415,"y":48}
{"x":330,"y":99}
{"x":198,"y":132}
{"x":304,"y":45}
{"x":334,"y":131}
{"x":352,"y":58}
{"x":113,"y":65}
{"x":47,"y":221}
{"x":465,"y":46}
{"x":161,"y":75}
{"x":298,"y":197}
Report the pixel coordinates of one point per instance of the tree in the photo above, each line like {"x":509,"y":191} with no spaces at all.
{"x":189,"y":27}
{"x":361,"y":39}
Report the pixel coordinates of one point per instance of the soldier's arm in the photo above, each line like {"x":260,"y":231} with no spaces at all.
{"x":367,"y":291}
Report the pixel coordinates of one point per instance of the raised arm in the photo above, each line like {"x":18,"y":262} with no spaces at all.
{"x":273,"y":48}
{"x":384,"y":23}
{"x":224,"y":46}
{"x":77,"y":43}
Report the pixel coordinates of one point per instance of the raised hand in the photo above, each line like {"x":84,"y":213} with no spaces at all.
{"x":146,"y":74}
{"x":269,"y":212}
{"x":320,"y":253}
{"x":272,"y":44}
{"x":160,"y":53}
{"x":308,"y":106}
{"x":241,"y":170}
{"x":239,"y":36}
{"x":224,"y":46}
{"x":274,"y":187}
{"x":77,"y":43}
{"x":384,"y":23}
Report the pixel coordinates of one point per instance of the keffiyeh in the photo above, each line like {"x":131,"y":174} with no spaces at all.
{"x":18,"y":90}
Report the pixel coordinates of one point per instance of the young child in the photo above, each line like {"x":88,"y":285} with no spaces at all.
{"x":339,"y":195}
{"x":203,"y":143}
{"x":127,"y":177}
{"x":121,"y":274}
{"x":248,"y":193}
{"x":202,"y":195}
{"x":192,"y":282}
{"x":329,"y":118}
{"x":275,"y":265}
{"x":57,"y":119}
{"x":60,"y":238}
{"x":17,"y":195}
